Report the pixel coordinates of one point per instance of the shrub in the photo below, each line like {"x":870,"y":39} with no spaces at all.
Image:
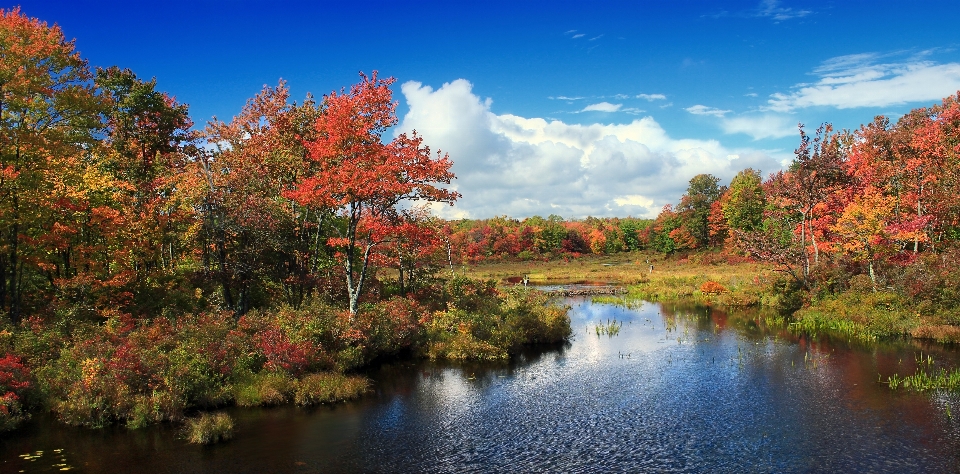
{"x":861,"y":284}
{"x":494,"y":332}
{"x":712,"y":288}
{"x":14,"y":383}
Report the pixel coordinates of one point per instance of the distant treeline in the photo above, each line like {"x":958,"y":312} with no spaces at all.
{"x":882,"y":201}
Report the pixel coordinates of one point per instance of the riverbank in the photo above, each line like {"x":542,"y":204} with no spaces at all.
{"x":99,"y":371}
{"x":855,"y":311}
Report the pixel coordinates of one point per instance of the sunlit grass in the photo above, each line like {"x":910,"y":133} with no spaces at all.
{"x":209,"y":428}
{"x":671,"y":278}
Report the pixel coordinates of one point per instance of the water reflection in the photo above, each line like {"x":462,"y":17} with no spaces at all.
{"x":678,"y":389}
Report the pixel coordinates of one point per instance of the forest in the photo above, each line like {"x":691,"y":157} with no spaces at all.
{"x":151,"y":267}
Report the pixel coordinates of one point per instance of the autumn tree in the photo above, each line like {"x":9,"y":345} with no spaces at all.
{"x":365,"y":180}
{"x":143,"y":152}
{"x":412,"y":251}
{"x":865,"y":229}
{"x":48,"y":115}
{"x":934,"y":167}
{"x":248,"y":232}
{"x":816,"y":172}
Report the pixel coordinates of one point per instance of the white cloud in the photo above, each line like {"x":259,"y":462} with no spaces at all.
{"x":602,"y":107}
{"x":633,"y":200}
{"x":651,"y":97}
{"x":506,"y":164}
{"x":579,"y":35}
{"x":563,"y":97}
{"x":750,"y":94}
{"x":858,"y":80}
{"x":704,"y":110}
{"x":760,"y":126}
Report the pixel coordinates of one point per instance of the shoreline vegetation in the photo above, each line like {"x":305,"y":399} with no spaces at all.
{"x":94,"y":372}
{"x":706,"y":278}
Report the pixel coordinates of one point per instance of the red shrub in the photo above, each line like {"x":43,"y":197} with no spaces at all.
{"x":712,"y":288}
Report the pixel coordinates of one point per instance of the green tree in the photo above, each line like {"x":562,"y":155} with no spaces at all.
{"x":694,"y":208}
{"x":745,"y":201}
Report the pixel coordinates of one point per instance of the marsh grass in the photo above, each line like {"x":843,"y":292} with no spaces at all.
{"x":327,"y":387}
{"x":209,"y":428}
{"x":264,"y":389}
{"x":672,"y":278}
{"x":610,"y":328}
{"x":857,"y":316}
{"x":492,"y":331}
{"x":927,"y":377}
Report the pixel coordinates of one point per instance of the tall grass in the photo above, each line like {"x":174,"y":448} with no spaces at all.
{"x":209,"y":428}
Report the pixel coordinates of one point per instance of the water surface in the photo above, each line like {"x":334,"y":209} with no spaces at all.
{"x":677,"y":390}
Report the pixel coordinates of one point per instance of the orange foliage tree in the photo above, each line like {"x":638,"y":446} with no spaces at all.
{"x":48,"y":115}
{"x":363,"y":179}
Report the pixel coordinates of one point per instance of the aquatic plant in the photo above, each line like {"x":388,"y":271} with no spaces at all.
{"x":209,"y":428}
{"x":814,"y":323}
{"x":921,"y":380}
{"x":610,"y":328}
{"x":926,"y":377}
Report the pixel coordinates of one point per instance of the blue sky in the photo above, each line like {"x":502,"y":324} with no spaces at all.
{"x":570,"y":108}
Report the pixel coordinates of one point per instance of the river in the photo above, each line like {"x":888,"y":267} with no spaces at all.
{"x":676,"y":390}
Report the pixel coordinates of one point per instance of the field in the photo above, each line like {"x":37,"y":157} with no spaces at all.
{"x":740,"y":284}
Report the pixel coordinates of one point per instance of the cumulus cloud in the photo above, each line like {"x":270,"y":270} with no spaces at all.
{"x":704,"y":110}
{"x":602,"y":107}
{"x":518,"y":166}
{"x":861,"y":80}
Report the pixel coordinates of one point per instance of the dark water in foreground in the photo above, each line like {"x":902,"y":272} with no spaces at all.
{"x":675,"y":391}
